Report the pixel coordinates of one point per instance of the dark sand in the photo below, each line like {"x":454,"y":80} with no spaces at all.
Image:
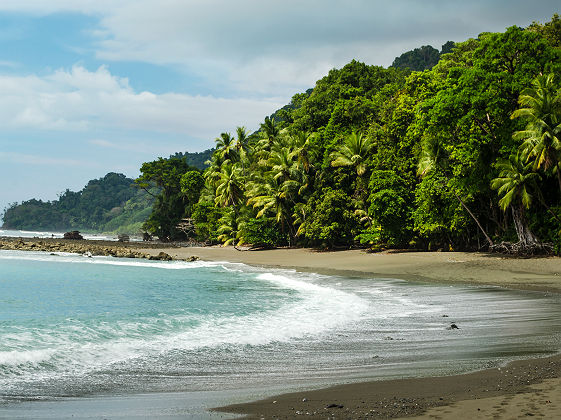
{"x":523,"y":389}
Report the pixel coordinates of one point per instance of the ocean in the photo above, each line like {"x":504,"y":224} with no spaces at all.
{"x":76,"y":330}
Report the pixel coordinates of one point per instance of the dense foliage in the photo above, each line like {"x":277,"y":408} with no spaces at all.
{"x":108,"y":204}
{"x":196,"y":159}
{"x":463,"y":154}
{"x":460,"y":156}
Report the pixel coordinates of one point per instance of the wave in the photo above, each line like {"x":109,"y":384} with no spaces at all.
{"x":66,"y":257}
{"x":78,"y":347}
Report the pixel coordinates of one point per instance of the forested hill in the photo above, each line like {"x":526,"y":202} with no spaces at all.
{"x":196,"y":159}
{"x":465,"y":155}
{"x":111,"y":203}
{"x":423,"y":58}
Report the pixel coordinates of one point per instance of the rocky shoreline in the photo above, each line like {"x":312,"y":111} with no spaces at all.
{"x":89,"y":248}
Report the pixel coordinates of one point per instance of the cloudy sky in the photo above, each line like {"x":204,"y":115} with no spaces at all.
{"x":93,"y":86}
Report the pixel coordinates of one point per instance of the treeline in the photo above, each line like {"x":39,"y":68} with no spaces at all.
{"x":462,"y":156}
{"x":109,"y":204}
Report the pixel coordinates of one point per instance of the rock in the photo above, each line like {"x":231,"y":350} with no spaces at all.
{"x":453,"y":327}
{"x":193,"y":258}
{"x":73,"y":235}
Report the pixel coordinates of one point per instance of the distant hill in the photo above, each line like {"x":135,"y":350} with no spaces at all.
{"x":423,"y":58}
{"x":111,"y":203}
{"x":196,"y":159}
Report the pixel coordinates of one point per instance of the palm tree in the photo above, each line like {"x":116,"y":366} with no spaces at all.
{"x":229,"y":191}
{"x":273,"y":196}
{"x":270,"y":129}
{"x":226,"y":147}
{"x":541,"y":138}
{"x":353,"y":152}
{"x":433,"y":157}
{"x":512,"y":185}
{"x":242,"y":146}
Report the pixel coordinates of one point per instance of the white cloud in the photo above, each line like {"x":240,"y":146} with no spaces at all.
{"x":80,"y":100}
{"x":280,"y":47}
{"x":29,"y":159}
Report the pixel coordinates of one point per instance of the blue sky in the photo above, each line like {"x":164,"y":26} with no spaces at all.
{"x":93,"y":86}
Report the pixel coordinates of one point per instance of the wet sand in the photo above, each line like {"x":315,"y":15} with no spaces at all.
{"x":529,"y":388}
{"x":543,"y":274}
{"x":523,"y":389}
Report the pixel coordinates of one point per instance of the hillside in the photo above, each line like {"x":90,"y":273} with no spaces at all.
{"x":111,"y":203}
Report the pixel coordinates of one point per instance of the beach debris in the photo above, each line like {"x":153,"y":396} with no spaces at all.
{"x":444,"y":316}
{"x":304,"y":399}
{"x":335,"y":406}
{"x":453,"y":327}
{"x":87,"y":254}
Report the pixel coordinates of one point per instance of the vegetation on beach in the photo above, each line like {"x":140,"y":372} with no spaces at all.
{"x":457,"y":149}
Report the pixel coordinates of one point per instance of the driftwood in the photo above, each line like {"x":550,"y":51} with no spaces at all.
{"x":522,"y":249}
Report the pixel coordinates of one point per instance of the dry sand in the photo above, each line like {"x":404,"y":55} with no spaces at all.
{"x":445,"y":267}
{"x":530,"y":388}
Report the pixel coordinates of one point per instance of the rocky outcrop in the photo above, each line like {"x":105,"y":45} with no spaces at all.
{"x":87,"y":248}
{"x":73,"y":235}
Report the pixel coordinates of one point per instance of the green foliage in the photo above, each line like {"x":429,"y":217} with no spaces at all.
{"x":423,"y":58}
{"x":391,"y":206}
{"x":432,"y":144}
{"x":107,"y":204}
{"x":331,"y":219}
{"x":192,"y":183}
{"x":196,"y":159}
{"x":170,"y":204}
{"x":206,"y":217}
{"x":263,"y":232}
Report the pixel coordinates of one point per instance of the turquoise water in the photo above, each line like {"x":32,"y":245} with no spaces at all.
{"x":72,"y":326}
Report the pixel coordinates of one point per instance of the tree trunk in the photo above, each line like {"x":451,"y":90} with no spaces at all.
{"x":558,"y":175}
{"x":475,"y":219}
{"x":525,"y":235}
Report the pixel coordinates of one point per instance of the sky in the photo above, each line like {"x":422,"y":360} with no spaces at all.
{"x":89,"y":87}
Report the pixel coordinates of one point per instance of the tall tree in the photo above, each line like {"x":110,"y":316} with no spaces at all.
{"x":540,"y":107}
{"x":513,"y":186}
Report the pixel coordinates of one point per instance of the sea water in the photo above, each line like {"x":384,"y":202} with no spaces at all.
{"x":12,"y":233}
{"x":75,"y":328}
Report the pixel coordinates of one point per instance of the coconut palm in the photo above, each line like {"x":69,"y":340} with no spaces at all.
{"x":353,"y":152}
{"x":226,"y":146}
{"x":541,"y":138}
{"x":229,"y":191}
{"x":513,"y":186}
{"x":274,"y":197}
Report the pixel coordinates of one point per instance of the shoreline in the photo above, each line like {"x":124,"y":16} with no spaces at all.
{"x":523,"y":388}
{"x":538,"y":273}
{"x":529,"y":387}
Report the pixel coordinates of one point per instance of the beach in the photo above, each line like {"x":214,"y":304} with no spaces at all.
{"x":524,"y":388}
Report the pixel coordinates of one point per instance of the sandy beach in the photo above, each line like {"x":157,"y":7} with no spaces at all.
{"x":529,"y":388}
{"x":543,"y":274}
{"x":526,"y":388}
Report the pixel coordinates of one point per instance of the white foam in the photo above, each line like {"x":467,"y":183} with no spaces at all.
{"x":65,"y":257}
{"x":19,"y":357}
{"x":78,"y":348}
